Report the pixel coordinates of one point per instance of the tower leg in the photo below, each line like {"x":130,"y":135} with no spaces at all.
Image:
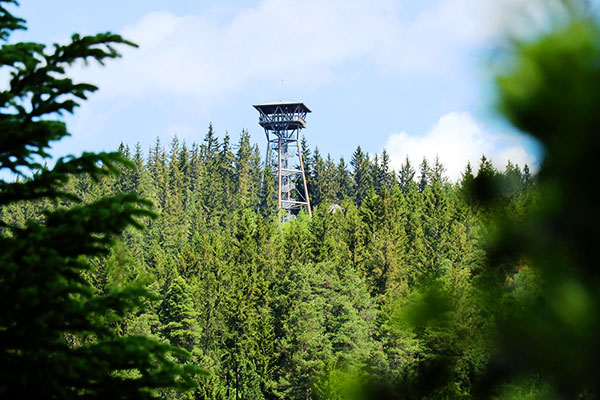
{"x":279,"y":177}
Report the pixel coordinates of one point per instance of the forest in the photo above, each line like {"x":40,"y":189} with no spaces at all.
{"x":166,"y":272}
{"x":269,"y":308}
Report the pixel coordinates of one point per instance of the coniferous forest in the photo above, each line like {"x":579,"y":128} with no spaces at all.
{"x":166,"y":273}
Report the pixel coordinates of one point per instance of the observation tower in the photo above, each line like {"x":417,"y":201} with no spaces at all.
{"x":283,"y":122}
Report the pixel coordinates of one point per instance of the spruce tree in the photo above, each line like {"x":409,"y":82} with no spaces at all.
{"x":406,"y":176}
{"x":319,"y":180}
{"x":57,"y":339}
{"x":424,"y":175}
{"x":344,"y":180}
{"x":243,"y":170}
{"x":362,"y":175}
{"x":178,"y":317}
{"x":385,"y":176}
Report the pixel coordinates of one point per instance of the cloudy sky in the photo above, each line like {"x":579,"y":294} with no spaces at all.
{"x":415,"y":78}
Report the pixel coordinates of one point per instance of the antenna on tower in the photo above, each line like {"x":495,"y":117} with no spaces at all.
{"x":283,"y":121}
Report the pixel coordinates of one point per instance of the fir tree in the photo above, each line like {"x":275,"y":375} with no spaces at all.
{"x":385,"y":177}
{"x":344,"y":181}
{"x":424,"y":175}
{"x":319,"y":180}
{"x":406,"y":176}
{"x":178,"y":317}
{"x":57,"y":341}
{"x":362,"y":179}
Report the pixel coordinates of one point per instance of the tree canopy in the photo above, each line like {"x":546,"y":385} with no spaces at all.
{"x":166,"y":273}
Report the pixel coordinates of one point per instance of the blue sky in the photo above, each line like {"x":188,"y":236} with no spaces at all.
{"x":415,"y":78}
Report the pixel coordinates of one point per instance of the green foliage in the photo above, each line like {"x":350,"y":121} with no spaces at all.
{"x":286,"y":310}
{"x":552,"y":93}
{"x":401,"y":285}
{"x":57,"y":333}
{"x":296,"y":310}
{"x":325,"y":324}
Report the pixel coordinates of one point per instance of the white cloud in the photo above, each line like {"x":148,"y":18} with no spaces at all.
{"x":196,"y":64}
{"x":458,"y":138}
{"x":210,"y":56}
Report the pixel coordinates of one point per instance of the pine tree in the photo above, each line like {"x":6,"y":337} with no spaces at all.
{"x":243,"y":173}
{"x":332,"y":185}
{"x":195,"y":170}
{"x":178,"y":317}
{"x":226,"y":164}
{"x":140,"y":181}
{"x":487,"y":182}
{"x":438,"y":172}
{"x":362,"y":179}
{"x":512,"y":180}
{"x":424,"y":175}
{"x":267,"y":195}
{"x":173,"y":222}
{"x":157,"y":168}
{"x":467,"y":178}
{"x":527,"y":178}
{"x":125,"y":181}
{"x":385,"y":177}
{"x":320,"y":191}
{"x":406,"y":176}
{"x":210,"y":147}
{"x":57,"y":340}
{"x":344,"y":181}
{"x":435,"y":222}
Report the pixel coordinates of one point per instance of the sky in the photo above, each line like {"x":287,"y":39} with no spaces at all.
{"x":413,"y":78}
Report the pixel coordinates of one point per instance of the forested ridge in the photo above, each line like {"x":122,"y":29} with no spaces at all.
{"x":167,"y":273}
{"x":278,"y":310}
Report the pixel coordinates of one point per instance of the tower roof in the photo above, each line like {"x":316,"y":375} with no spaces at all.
{"x":284,"y":105}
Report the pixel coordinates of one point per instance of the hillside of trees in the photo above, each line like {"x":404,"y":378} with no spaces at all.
{"x":166,"y":273}
{"x":278,"y":311}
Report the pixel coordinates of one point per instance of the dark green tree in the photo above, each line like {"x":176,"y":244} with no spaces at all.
{"x":157,"y":169}
{"x":438,"y":172}
{"x":344,"y":180}
{"x":361,"y":174}
{"x":552,"y":92}
{"x":243,"y":173}
{"x":320,"y":177}
{"x":424,"y":175}
{"x":178,"y":317}
{"x":385,"y":177}
{"x":56,"y":333}
{"x":466,"y":180}
{"x":406,"y":176}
